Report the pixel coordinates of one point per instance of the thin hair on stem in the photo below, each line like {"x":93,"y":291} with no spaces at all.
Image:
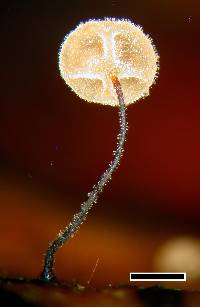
{"x":78,"y":218}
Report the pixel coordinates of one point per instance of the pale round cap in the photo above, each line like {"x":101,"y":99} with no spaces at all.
{"x":98,"y":49}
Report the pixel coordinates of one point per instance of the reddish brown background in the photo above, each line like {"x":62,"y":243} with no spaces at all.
{"x":54,"y":146}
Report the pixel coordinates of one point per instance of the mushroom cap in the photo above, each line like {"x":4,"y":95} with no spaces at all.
{"x":99,"y":49}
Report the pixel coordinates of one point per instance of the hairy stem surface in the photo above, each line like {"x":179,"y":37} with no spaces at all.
{"x":78,"y":218}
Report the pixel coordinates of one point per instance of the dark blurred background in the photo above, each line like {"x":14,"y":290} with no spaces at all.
{"x":54,"y":146}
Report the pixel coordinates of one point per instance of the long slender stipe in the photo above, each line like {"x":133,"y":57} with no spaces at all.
{"x":78,"y":218}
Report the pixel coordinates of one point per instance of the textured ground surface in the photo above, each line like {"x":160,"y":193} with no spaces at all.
{"x":21,"y":292}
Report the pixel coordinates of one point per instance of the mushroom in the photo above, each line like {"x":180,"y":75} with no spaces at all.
{"x":111,"y":62}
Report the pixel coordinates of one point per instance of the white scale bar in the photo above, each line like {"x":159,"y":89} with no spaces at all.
{"x":170,"y":276}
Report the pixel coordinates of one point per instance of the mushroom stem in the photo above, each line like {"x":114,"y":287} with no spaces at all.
{"x":78,"y":218}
